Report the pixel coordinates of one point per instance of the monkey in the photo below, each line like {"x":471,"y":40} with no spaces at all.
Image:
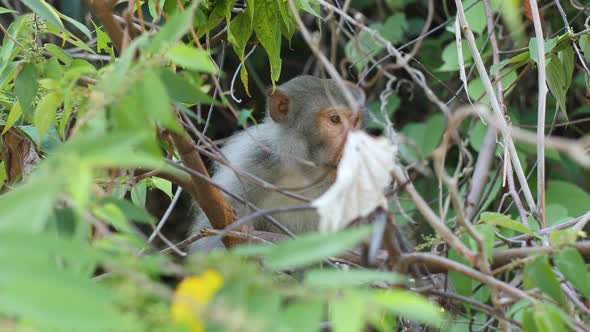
{"x":297,"y":145}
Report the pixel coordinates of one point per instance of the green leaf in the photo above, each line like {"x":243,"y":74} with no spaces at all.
{"x":304,"y":5}
{"x":163,"y":185}
{"x":503,"y":221}
{"x":176,"y":27}
{"x":451,"y":59}
{"x":251,"y":250}
{"x":288,"y":24}
{"x":268,"y":31}
{"x":13,"y":116}
{"x":411,"y":306}
{"x":181,"y":90}
{"x":347,"y":314}
{"x":243,"y":116}
{"x":6,"y":10}
{"x":26,"y":86}
{"x":314,"y":248}
{"x":566,"y":57}
{"x":138,"y":194}
{"x":80,"y":186}
{"x":547,"y":318}
{"x":476,"y":89}
{"x":7,"y":74}
{"x":393,"y":28}
{"x":585,"y":46}
{"x":47,"y":246}
{"x":549,"y":45}
{"x":358,"y":50}
{"x":106,"y":150}
{"x":328,"y":278}
{"x":519,"y":60}
{"x":152,"y":7}
{"x":462,"y":283}
{"x":538,"y":273}
{"x":238,"y":34}
{"x":155,"y":101}
{"x":263,"y":303}
{"x":191,"y":58}
{"x":56,"y":301}
{"x":117,"y":79}
{"x":487,"y":233}
{"x":111,"y":214}
{"x":53,"y":70}
{"x":46,"y":11}
{"x":72,"y":39}
{"x":426,"y":137}
{"x":568,"y":195}
{"x":2,"y":172}
{"x":46,"y":143}
{"x":16,"y":205}
{"x":572,"y":265}
{"x":244,"y":78}
{"x":475,"y":14}
{"x":17,"y":29}
{"x":555,"y":214}
{"x":493,"y":188}
{"x":77,"y":24}
{"x":528,"y":321}
{"x":45,"y":113}
{"x":250,"y":4}
{"x":102,"y":41}
{"x":303,"y":315}
{"x":59,"y":53}
{"x":131,"y":211}
{"x":556,"y":81}
{"x":532,"y":150}
{"x":68,"y":109}
{"x":222,"y":10}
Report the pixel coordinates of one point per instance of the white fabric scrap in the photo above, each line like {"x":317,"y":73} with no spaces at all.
{"x":362,"y":176}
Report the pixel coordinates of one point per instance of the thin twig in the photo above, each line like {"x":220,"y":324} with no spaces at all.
{"x":447,"y":264}
{"x":541,"y":81}
{"x":400,"y":177}
{"x":478,"y":305}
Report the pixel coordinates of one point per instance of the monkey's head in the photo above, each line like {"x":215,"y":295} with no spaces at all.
{"x":315,"y":111}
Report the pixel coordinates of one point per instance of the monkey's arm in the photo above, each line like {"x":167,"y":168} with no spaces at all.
{"x":244,"y":152}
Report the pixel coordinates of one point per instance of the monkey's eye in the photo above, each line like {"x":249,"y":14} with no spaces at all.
{"x":335,"y":119}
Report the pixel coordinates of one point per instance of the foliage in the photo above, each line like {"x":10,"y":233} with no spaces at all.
{"x":86,"y":150}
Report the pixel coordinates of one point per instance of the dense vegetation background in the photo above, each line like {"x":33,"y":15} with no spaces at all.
{"x":110,"y":110}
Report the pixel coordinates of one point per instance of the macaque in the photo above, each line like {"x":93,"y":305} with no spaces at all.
{"x":297,"y":147}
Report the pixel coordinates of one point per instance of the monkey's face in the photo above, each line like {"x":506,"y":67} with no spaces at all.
{"x":333,"y":124}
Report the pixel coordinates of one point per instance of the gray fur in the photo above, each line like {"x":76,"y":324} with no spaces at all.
{"x":273,"y":152}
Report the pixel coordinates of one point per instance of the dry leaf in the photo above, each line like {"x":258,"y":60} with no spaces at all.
{"x":19,"y":155}
{"x":363,"y":173}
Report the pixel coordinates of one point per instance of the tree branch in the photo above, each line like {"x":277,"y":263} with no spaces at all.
{"x":494,"y":103}
{"x":103,"y":10}
{"x":540,"y":112}
{"x":210,"y":199}
{"x":439,"y":262}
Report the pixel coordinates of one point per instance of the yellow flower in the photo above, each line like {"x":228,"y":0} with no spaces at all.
{"x":192,"y":296}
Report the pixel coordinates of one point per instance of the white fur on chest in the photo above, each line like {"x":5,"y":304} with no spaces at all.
{"x":296,"y":221}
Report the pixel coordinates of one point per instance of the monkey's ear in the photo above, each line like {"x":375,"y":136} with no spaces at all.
{"x":357,"y":93}
{"x":278,"y":105}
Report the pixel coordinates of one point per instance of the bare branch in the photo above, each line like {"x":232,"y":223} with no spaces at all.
{"x":541,"y":81}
